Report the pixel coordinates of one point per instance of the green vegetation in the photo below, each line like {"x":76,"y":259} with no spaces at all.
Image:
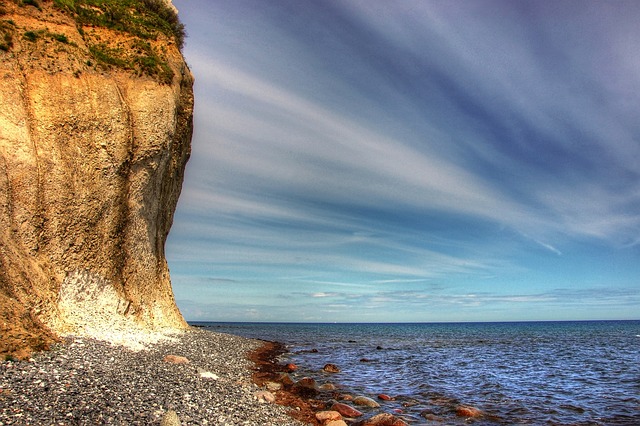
{"x":141,"y":18}
{"x":61,"y":38}
{"x":6,"y":33}
{"x":30,"y":35}
{"x":144,"y":20}
{"x":33,"y":3}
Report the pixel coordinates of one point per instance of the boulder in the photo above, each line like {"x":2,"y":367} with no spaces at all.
{"x":468,"y":411}
{"x":328,"y":415}
{"x":384,"y":419}
{"x":331,"y":368}
{"x":346,"y":410}
{"x":305,"y":387}
{"x":365,"y":401}
{"x":336,"y":423}
{"x":327,"y":387}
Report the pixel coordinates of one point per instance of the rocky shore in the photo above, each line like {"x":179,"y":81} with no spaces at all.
{"x":193,"y":378}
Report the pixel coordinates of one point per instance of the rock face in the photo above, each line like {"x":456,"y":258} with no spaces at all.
{"x":92,"y":158}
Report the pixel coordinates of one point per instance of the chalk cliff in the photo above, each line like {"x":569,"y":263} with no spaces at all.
{"x":95,"y":128}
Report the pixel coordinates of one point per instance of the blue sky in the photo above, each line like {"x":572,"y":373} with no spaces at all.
{"x":368,"y":161}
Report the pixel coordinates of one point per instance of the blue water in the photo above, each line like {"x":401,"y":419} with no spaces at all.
{"x":554,"y":373}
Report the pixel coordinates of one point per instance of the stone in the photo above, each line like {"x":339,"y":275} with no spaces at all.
{"x":331,"y":368}
{"x":265,"y":396}
{"x":273,"y":386}
{"x":208,"y":375}
{"x":305,"y":387}
{"x":468,"y":411}
{"x":291,"y":367}
{"x":346,"y":410}
{"x":365,"y":401}
{"x":385,"y":397}
{"x":175,"y":359}
{"x":327,"y":387}
{"x":384,"y":419}
{"x":170,"y":418}
{"x":336,"y":423}
{"x":345,"y":397}
{"x":324,"y":416}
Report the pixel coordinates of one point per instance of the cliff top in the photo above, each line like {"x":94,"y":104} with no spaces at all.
{"x":99,"y":34}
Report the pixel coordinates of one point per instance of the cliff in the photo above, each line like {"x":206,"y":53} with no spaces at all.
{"x":95,"y":127}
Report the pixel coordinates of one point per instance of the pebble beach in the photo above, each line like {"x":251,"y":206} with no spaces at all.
{"x":91,"y":382}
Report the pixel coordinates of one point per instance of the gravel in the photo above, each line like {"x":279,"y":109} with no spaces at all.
{"x":91,"y":382}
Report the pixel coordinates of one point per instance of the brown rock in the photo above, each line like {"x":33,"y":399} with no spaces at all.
{"x":291,"y":367}
{"x":346,"y":410}
{"x":336,"y":423}
{"x":324,"y":416}
{"x":345,"y":397}
{"x":331,"y":368}
{"x":92,"y":161}
{"x":327,"y":387}
{"x":365,"y":402}
{"x":384,"y":419}
{"x":175,"y":359}
{"x":305,"y":387}
{"x":385,"y":397}
{"x":468,"y":411}
{"x":265,"y":396}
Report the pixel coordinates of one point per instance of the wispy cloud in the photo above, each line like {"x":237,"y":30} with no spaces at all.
{"x":411,"y":143}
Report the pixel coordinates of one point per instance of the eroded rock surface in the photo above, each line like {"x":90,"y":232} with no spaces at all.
{"x":92,"y":159}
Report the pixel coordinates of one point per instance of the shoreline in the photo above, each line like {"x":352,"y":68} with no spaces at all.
{"x":85,"y":381}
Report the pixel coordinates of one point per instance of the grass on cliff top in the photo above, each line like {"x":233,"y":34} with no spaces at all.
{"x":141,"y":18}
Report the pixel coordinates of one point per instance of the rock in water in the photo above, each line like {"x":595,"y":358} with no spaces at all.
{"x":345,"y":410}
{"x":92,"y":160}
{"x":365,"y":401}
{"x":331,"y":368}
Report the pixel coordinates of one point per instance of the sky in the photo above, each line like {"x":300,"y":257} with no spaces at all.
{"x":410,"y":161}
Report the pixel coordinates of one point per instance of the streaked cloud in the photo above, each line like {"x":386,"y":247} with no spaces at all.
{"x":392,"y":148}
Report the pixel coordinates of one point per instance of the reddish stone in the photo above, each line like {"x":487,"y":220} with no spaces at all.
{"x":384,"y":419}
{"x":345,"y":410}
{"x":331,"y":368}
{"x":467,"y":411}
{"x":385,"y":397}
{"x":291,"y":367}
{"x":325,"y":416}
{"x":176,"y":359}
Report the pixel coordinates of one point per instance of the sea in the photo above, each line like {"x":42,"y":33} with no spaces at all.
{"x":517,"y":373}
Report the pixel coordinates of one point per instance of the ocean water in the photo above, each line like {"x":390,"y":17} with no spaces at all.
{"x":547,"y":373}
